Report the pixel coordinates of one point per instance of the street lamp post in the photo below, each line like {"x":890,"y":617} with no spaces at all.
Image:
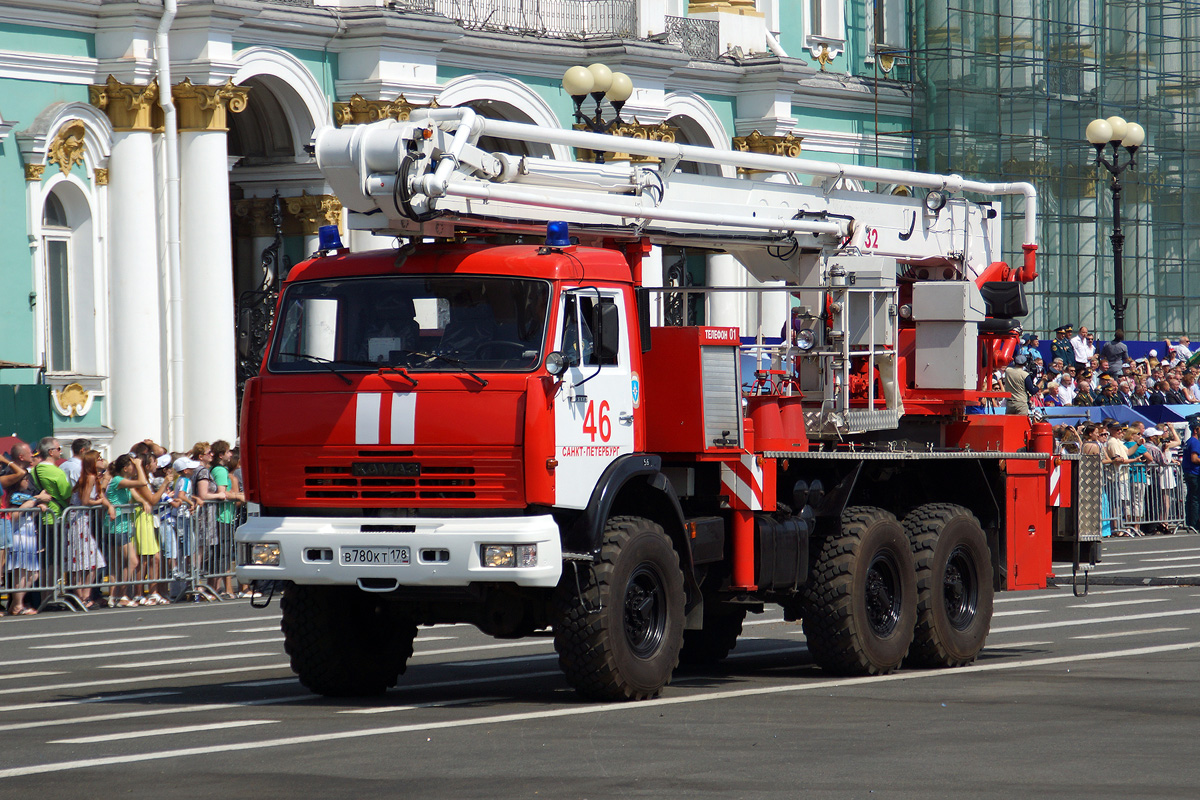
{"x":600,"y":82}
{"x":1117,"y":132}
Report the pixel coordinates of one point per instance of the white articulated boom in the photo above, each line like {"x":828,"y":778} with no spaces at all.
{"x":840,"y":250}
{"x":428,"y":177}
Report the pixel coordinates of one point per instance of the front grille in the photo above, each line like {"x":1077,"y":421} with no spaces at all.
{"x":413,"y":478}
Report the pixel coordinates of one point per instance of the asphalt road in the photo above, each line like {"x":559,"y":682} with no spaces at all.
{"x":1073,"y":697}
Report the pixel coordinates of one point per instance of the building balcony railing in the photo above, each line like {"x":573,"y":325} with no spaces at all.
{"x":699,"y":38}
{"x":555,"y":19}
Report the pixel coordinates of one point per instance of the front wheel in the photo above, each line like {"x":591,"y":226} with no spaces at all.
{"x":619,"y":627}
{"x":860,"y":605}
{"x":954,"y":585}
{"x":344,"y":642}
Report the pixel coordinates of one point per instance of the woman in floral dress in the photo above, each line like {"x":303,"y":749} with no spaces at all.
{"x":83,"y":555}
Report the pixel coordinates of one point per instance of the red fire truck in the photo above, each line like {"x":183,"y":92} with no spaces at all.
{"x":487,"y":423}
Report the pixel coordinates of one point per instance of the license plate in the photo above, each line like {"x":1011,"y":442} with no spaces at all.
{"x":375,"y":556}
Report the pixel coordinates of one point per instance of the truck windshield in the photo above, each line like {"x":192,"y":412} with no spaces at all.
{"x":432,"y":323}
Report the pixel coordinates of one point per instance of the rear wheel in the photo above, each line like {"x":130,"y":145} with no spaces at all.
{"x":345,"y":642}
{"x":619,"y":630}
{"x":860,"y":604}
{"x":713,"y":642}
{"x":954,"y":585}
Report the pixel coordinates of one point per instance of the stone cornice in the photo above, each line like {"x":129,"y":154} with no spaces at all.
{"x":73,"y":70}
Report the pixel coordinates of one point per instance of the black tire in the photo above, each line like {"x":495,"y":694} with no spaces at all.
{"x":713,"y":642}
{"x":628,"y":649}
{"x":954,"y":585}
{"x":345,"y":642}
{"x":860,"y":604}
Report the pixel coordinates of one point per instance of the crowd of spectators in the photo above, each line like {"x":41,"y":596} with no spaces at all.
{"x":124,"y":520}
{"x":1078,"y":375}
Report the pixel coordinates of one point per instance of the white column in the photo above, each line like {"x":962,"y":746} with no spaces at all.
{"x":726,"y":308}
{"x":209,"y":344}
{"x":136,"y":346}
{"x":652,"y":278}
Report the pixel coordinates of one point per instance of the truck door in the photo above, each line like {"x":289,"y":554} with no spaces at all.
{"x":594,"y":410}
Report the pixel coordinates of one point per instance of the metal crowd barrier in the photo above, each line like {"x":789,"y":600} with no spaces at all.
{"x":1141,"y":498}
{"x":130,"y":557}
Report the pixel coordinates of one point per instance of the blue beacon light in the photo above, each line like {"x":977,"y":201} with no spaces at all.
{"x":328,"y":238}
{"x":557,"y":234}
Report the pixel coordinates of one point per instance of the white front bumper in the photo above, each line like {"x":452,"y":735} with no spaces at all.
{"x":301,"y":538}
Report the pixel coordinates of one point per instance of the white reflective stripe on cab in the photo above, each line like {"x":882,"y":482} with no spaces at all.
{"x":368,"y":413}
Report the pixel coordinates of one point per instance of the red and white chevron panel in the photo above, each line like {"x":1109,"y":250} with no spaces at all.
{"x":1056,"y":484}
{"x":743,"y":482}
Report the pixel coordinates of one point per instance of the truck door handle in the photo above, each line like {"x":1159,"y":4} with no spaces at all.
{"x":625,"y":418}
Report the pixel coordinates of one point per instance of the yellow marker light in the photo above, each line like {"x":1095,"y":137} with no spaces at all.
{"x":265,"y":554}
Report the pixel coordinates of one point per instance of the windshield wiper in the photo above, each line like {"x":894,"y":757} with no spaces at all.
{"x":454,"y":362}
{"x":324,"y":362}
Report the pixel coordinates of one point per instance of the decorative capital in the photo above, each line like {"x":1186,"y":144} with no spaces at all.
{"x":100,"y":176}
{"x":661,"y":132}
{"x":67,"y":148}
{"x":34,"y":172}
{"x":202,"y":108}
{"x":745,"y":8}
{"x":787,"y":146}
{"x":253,"y":216}
{"x":312,"y":211}
{"x":129,"y":107}
{"x":358,"y":110}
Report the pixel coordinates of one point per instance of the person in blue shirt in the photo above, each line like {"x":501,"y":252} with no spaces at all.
{"x":1191,"y":475}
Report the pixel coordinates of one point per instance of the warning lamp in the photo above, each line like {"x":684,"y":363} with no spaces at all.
{"x":557,"y":234}
{"x":328,"y":238}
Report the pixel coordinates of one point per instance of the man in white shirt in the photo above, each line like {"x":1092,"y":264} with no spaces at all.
{"x":1083,"y":346}
{"x":73,"y":466}
{"x":1181,"y":351}
{"x":1066,"y":389}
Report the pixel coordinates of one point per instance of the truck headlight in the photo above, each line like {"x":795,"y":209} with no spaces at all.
{"x":508,"y":555}
{"x":263,"y":554}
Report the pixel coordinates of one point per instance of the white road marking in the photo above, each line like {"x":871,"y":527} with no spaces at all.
{"x":508,"y":660}
{"x":1142,"y":632}
{"x":1161,"y":552}
{"x":20,"y":675}
{"x":116,"y":698}
{"x":777,"y":620}
{"x":582,"y":710}
{"x":1121,"y":603}
{"x":257,"y":630}
{"x":117,"y":737}
{"x":1020,"y":612}
{"x":104,"y":642}
{"x":1149,"y":569}
{"x":170,"y":676}
{"x":1013,"y":645}
{"x":256,"y":684}
{"x":127,"y":653}
{"x":412,"y":687}
{"x":1016,"y":597}
{"x":94,"y":631}
{"x":1176,"y":558}
{"x":1095,"y":621}
{"x":412,"y":706}
{"x":154,"y":712}
{"x":168,"y":662}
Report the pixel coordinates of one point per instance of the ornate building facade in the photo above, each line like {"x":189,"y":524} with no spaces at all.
{"x":157,"y":184}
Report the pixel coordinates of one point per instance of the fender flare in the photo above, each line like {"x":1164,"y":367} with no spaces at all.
{"x":586,"y":533}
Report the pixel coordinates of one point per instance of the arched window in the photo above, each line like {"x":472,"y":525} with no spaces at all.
{"x":56,"y":290}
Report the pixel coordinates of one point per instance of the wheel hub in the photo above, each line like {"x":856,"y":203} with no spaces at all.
{"x":645,"y":611}
{"x":960,"y":589}
{"x":883,"y":594}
